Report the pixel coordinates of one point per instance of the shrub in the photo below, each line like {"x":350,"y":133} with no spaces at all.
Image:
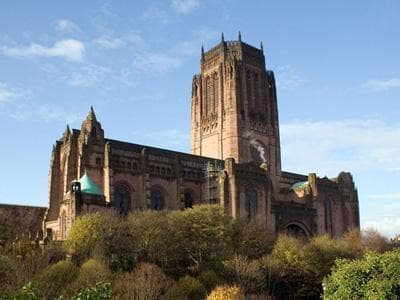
{"x":147,"y":281}
{"x":226,"y":293}
{"x":91,"y":273}
{"x":8,"y":275}
{"x":53,"y":280}
{"x":209,"y":279}
{"x":192,"y":288}
{"x":101,"y":291}
{"x":246,"y":273}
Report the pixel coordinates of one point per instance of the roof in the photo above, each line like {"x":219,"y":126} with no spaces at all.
{"x":88,"y":186}
{"x":299,"y":185}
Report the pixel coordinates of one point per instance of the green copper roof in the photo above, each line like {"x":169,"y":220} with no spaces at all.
{"x":299,"y":185}
{"x":88,"y":186}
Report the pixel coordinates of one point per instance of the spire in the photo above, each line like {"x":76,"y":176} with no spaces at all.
{"x":261,"y":46}
{"x":92,"y":115}
{"x":67,"y":133}
{"x":222,"y":37}
{"x":239,"y":37}
{"x":202,"y":52}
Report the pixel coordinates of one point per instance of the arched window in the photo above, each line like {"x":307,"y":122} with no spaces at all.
{"x":248,"y":90}
{"x":256,"y":96}
{"x":251,"y":202}
{"x":215,"y":85}
{"x":188,"y":200}
{"x":122,"y":199}
{"x":157,"y":199}
{"x":208,"y":94}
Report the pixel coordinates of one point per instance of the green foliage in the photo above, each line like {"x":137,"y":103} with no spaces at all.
{"x":251,"y":239}
{"x":101,"y":291}
{"x":28,"y":292}
{"x":226,"y":293}
{"x":202,"y":236}
{"x":192,"y":288}
{"x":84,"y":235}
{"x":209,"y":279}
{"x":53,"y":280}
{"x":376,"y":276}
{"x":115,"y":245}
{"x":91,"y":273}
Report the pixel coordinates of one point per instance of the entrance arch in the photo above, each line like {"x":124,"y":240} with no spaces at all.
{"x":297,"y":229}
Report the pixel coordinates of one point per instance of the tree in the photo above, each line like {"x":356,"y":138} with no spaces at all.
{"x":373,"y":241}
{"x":376,"y":276}
{"x":84,"y":235}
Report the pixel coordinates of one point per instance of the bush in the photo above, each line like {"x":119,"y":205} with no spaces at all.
{"x":376,"y":276}
{"x":209,"y":279}
{"x":8,"y":275}
{"x":53,"y":280}
{"x":247,"y":273}
{"x":226,"y":293}
{"x":28,"y":292}
{"x":91,"y":273}
{"x":147,"y":281}
{"x":192,"y":288}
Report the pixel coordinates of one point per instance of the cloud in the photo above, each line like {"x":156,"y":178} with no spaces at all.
{"x":185,"y":6}
{"x":288,"y":78}
{"x":168,"y":138}
{"x":9,"y":94}
{"x":156,"y":62}
{"x":389,"y":226}
{"x":66,"y":26}
{"x":378,"y":85}
{"x":155,"y":13}
{"x":69,"y":49}
{"x":110,"y":42}
{"x":329,"y":147}
{"x":392,"y":196}
{"x":87,"y":76}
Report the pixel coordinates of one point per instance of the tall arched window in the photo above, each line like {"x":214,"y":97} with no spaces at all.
{"x":256,"y":96}
{"x":208,"y":94}
{"x":251,"y":202}
{"x":122,"y":199}
{"x":248,"y":90}
{"x":215,"y":86}
{"x":157,"y":199}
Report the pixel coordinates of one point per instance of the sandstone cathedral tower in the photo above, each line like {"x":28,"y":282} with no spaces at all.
{"x":235,"y":160}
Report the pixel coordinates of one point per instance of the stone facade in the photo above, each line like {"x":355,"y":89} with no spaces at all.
{"x":235,"y":160}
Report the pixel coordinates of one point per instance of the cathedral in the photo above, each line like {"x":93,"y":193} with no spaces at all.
{"x":235,"y":160}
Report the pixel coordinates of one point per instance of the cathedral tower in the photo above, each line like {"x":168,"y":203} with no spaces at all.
{"x":234,"y":106}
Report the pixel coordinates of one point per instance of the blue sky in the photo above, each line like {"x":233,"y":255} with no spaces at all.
{"x":336,"y":63}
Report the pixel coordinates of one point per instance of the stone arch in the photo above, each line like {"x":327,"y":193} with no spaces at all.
{"x":122,"y":197}
{"x":157,"y":197}
{"x":297,"y":229}
{"x":189,"y":198}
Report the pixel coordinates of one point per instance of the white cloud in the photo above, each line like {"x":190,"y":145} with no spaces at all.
{"x":389,"y":226}
{"x":110,"y":42}
{"x":9,"y":94}
{"x":69,"y":49}
{"x":185,"y":6}
{"x":381,"y":84}
{"x":155,"y":13}
{"x":392,"y":196}
{"x":86,"y":76}
{"x":66,"y":26}
{"x":329,"y":147}
{"x":288,"y":78}
{"x":156,"y":62}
